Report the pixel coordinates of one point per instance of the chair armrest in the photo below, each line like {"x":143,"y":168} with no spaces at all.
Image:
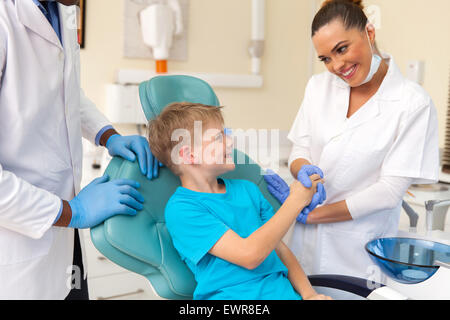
{"x":353,"y":285}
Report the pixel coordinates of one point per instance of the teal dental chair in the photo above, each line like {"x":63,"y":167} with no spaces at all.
{"x":142,"y":243}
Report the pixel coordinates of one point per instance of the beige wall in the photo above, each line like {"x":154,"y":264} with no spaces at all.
{"x":219,"y":31}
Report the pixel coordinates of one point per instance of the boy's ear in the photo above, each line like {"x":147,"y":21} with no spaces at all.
{"x":186,"y":155}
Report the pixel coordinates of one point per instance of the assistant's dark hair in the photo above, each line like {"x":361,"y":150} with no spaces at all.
{"x":350,"y":12}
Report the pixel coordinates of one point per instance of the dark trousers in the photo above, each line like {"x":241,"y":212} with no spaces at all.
{"x":80,"y":293}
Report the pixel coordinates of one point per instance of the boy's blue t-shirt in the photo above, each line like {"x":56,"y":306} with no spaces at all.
{"x":196,"y":221}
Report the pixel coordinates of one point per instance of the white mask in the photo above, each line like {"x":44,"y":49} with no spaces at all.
{"x":374,"y":65}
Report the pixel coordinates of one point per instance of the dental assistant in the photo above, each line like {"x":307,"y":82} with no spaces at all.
{"x":43,"y":116}
{"x":369,"y":132}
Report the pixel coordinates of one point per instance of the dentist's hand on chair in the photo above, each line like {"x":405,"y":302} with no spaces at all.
{"x":102,"y":199}
{"x":280,"y":190}
{"x":130,"y":147}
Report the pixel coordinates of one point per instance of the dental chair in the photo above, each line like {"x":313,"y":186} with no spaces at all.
{"x":142,"y":243}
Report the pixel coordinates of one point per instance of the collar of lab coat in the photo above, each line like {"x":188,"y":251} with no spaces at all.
{"x":392,"y":86}
{"x":31,"y":17}
{"x":390,"y":90}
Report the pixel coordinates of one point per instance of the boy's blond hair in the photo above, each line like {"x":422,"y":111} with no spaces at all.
{"x":179,"y":115}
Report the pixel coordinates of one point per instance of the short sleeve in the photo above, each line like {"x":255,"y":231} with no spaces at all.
{"x":415,"y":151}
{"x":194,"y":230}
{"x":300,"y":133}
{"x":265,"y":208}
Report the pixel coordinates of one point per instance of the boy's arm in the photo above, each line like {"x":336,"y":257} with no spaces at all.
{"x":296,"y":275}
{"x":250,"y":252}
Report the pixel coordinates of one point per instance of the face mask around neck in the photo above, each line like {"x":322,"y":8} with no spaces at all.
{"x":375,"y":64}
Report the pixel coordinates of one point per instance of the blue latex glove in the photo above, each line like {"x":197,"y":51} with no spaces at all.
{"x":129,"y":147}
{"x":277,"y":186}
{"x":102,"y":199}
{"x":305,"y":172}
{"x":280,"y":190}
{"x":316,"y":200}
{"x":304,"y":177}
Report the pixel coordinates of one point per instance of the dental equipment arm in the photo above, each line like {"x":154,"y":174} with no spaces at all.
{"x":413,"y":216}
{"x":430,"y":206}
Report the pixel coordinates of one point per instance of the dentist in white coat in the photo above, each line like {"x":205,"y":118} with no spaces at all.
{"x":369,"y":132}
{"x":43,"y":116}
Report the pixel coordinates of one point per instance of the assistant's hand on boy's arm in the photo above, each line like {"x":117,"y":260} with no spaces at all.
{"x":250,"y":252}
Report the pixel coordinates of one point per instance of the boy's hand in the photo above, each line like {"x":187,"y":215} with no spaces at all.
{"x":317,"y":297}
{"x":303,"y":195}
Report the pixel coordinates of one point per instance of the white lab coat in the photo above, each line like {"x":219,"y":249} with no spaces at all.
{"x":43,"y":115}
{"x":394,"y":134}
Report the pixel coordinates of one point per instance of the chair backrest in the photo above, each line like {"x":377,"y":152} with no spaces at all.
{"x":142,"y":243}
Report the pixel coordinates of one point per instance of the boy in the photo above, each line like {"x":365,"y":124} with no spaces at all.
{"x":225,"y":230}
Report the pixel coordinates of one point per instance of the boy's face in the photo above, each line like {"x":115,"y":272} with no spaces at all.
{"x":214,"y":153}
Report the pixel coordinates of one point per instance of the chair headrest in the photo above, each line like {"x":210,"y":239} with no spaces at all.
{"x":161,"y":91}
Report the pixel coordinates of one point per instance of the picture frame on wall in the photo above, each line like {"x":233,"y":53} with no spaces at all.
{"x":81,"y":23}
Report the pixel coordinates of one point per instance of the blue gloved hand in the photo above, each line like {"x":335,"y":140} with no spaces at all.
{"x":129,"y":147}
{"x":316,"y":200}
{"x":305,"y":172}
{"x":280,"y":190}
{"x":277,"y":186}
{"x":102,"y":199}
{"x":304,"y":177}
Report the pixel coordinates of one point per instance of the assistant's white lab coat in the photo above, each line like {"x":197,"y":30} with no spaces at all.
{"x":393,"y":134}
{"x":43,"y":115}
